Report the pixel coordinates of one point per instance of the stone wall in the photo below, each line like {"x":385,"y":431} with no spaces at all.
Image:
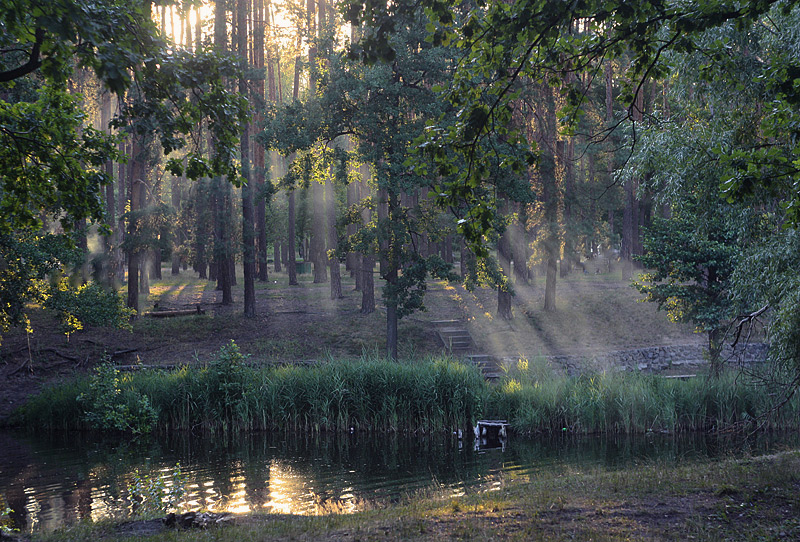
{"x":655,"y":359}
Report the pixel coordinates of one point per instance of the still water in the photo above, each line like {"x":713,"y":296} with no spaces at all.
{"x":56,"y":480}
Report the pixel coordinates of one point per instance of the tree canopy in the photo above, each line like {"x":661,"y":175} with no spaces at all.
{"x":52,"y":164}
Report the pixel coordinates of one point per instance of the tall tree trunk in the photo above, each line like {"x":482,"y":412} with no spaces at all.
{"x":504,"y":255}
{"x":567,"y":159}
{"x":518,"y":243}
{"x":136,"y":185}
{"x":176,"y":235}
{"x":367,"y":284}
{"x":392,"y":267}
{"x":350,"y":260}
{"x":317,"y":248}
{"x":630,"y":217}
{"x":259,"y":160}
{"x":221,"y":192}
{"x":110,"y":241}
{"x":201,"y":195}
{"x":549,"y":180}
{"x":248,"y":232}
{"x":333,"y":241}
{"x":367,"y":260}
{"x":292,"y":240}
{"x":291,"y":264}
{"x":276,"y":255}
{"x":146,"y":263}
{"x":448,"y":249}
{"x":155,"y":268}
{"x":123,"y":198}
{"x":463,"y":257}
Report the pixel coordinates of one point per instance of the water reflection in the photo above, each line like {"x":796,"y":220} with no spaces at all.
{"x":56,"y":480}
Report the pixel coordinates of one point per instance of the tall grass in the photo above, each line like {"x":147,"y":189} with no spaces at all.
{"x":537,"y":400}
{"x":368,"y":394}
{"x":372,"y":394}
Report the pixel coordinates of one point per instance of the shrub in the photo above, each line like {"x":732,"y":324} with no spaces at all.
{"x":107,"y":407}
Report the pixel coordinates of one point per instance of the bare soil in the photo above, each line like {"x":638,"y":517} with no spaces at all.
{"x":301,"y":323}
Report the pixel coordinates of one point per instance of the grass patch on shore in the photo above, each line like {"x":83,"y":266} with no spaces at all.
{"x":535,"y":399}
{"x":369,"y":394}
{"x":372,"y":394}
{"x":742,"y":499}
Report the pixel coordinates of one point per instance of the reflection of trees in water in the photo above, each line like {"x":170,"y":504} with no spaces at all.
{"x":73,"y":477}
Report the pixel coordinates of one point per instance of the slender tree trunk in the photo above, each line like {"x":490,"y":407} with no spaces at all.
{"x":248,"y":233}
{"x":504,"y":255}
{"x":549,"y":180}
{"x":291,"y":264}
{"x":518,"y":243}
{"x":367,"y":284}
{"x":350,"y":260}
{"x":136,"y":180}
{"x":392,"y":265}
{"x":177,"y":234}
{"x":333,"y":241}
{"x":276,"y":255}
{"x":292,"y":240}
{"x":630,"y":217}
{"x":463,"y":257}
{"x":259,"y":35}
{"x":570,"y":258}
{"x":123,"y":199}
{"x":367,"y":260}
{"x":110,"y":242}
{"x":201,"y":227}
{"x":318,"y":219}
{"x":221,"y":193}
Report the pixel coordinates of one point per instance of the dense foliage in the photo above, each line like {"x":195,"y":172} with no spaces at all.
{"x":54,"y":165}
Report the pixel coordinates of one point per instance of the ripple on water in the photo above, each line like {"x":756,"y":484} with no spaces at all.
{"x":56,"y":480}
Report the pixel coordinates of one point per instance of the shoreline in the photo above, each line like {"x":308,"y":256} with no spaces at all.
{"x":745,"y":499}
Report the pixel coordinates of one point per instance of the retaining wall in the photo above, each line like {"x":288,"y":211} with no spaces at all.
{"x":655,"y":359}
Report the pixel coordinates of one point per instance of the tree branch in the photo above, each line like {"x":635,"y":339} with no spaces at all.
{"x":33,"y":64}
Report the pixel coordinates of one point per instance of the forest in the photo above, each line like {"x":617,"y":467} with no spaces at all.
{"x":244,"y":217}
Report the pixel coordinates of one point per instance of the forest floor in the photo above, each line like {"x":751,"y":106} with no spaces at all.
{"x":595,"y":313}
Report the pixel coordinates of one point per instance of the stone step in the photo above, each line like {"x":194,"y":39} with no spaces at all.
{"x":475,"y":358}
{"x":455,"y":333}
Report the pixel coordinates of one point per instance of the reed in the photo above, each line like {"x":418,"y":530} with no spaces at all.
{"x":373,"y":394}
{"x":537,"y":400}
{"x":226,"y":395}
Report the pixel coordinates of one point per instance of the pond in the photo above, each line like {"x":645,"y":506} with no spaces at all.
{"x":51,"y":481}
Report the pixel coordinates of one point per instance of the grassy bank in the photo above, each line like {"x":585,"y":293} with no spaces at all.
{"x":536,"y":400}
{"x":227,"y":395}
{"x":743,"y":500}
{"x":377,"y":395}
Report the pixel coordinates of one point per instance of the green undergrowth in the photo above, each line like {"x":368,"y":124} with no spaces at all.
{"x":372,"y":394}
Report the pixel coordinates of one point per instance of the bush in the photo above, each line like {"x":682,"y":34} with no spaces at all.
{"x":90,"y":304}
{"x":108,"y":407}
